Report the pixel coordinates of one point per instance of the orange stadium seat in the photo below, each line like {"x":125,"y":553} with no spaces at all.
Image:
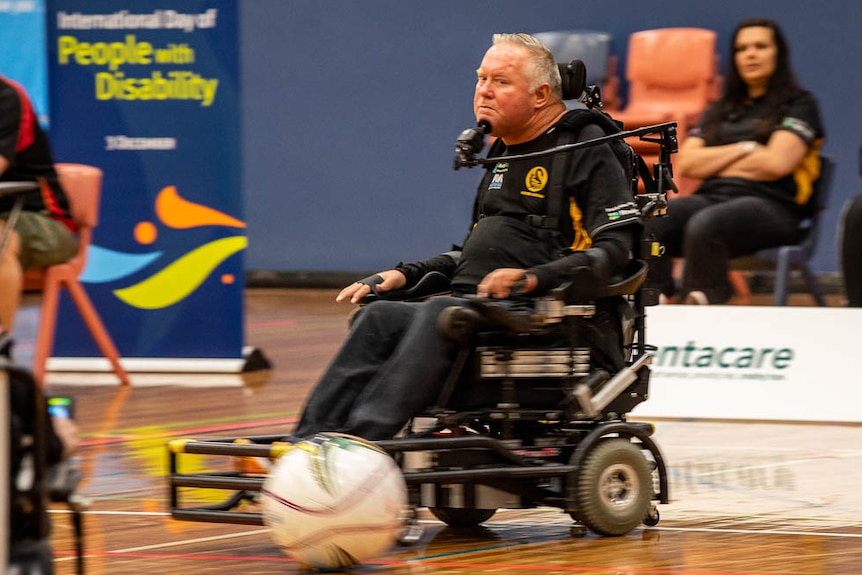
{"x":83,"y":186}
{"x":672,"y":76}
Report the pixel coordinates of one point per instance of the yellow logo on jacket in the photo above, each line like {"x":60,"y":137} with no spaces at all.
{"x":536,"y":180}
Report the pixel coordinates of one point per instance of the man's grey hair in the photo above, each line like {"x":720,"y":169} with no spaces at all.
{"x":541,"y":66}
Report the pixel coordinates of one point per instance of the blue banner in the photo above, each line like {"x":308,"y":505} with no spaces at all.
{"x":22,"y":49}
{"x":149,"y":92}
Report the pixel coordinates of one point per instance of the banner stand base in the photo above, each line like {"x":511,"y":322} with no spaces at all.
{"x":255,"y":360}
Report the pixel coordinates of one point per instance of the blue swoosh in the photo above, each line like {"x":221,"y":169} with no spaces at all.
{"x":104,"y":265}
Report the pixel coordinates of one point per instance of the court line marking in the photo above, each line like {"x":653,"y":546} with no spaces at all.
{"x":711,"y":530}
{"x":130,"y":435}
{"x":433,"y":522}
{"x":432,"y":563}
{"x":514,"y":522}
{"x":190,"y":541}
{"x":132,"y":513}
{"x":757,"y":531}
{"x":850,"y":452}
{"x":195,"y":557}
{"x":162,"y":545}
{"x":433,"y":560}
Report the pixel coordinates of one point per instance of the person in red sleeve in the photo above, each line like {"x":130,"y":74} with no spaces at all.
{"x":44,"y":233}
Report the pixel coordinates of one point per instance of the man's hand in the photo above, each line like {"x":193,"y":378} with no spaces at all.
{"x":383,"y":281}
{"x":504,"y":282}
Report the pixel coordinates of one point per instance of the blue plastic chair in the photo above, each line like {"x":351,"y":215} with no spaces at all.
{"x":784,"y":259}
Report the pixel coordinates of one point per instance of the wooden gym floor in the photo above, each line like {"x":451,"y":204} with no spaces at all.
{"x":752,"y":498}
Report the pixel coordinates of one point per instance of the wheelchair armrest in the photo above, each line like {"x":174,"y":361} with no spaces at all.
{"x":629,"y":280}
{"x":492,"y":313}
{"x":626,"y":282}
{"x":520,"y":321}
{"x":431,"y":284}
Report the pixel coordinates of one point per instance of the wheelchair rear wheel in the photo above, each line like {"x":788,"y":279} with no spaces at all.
{"x":613,"y":489}
{"x":458,"y":517}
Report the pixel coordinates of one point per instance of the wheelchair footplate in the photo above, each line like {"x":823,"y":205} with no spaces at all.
{"x":217,"y":496}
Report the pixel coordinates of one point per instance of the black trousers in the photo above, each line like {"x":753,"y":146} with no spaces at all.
{"x":851,"y":250}
{"x":393,"y":363}
{"x":711,"y":227}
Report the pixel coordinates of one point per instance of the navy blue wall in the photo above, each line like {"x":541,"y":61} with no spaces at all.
{"x":350,"y":110}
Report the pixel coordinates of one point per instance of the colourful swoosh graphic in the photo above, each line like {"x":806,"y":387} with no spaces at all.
{"x":104,"y":265}
{"x":177,"y":212}
{"x":182,"y":277}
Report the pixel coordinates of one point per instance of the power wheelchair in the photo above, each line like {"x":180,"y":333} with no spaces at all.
{"x":555,"y":431}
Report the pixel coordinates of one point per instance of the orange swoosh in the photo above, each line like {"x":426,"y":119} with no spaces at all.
{"x":177,"y":212}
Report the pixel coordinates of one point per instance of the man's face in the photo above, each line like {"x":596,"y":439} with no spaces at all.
{"x":503,"y":95}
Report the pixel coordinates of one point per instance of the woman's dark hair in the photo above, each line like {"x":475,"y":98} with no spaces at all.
{"x":780,"y":88}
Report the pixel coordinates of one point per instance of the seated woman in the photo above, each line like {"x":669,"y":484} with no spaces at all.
{"x":756,"y":150}
{"x":850,"y":244}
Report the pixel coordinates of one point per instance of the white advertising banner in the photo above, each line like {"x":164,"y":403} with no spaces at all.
{"x":760,"y":363}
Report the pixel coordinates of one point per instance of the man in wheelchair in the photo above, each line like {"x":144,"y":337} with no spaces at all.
{"x":531,"y":349}
{"x":537,"y":224}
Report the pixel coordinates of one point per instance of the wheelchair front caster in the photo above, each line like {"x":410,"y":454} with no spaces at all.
{"x":412,"y":531}
{"x":652,"y":518}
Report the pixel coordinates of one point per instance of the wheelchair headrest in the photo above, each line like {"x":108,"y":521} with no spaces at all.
{"x":574,"y":76}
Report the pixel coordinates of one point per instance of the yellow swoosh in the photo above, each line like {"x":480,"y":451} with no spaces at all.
{"x":182,"y":277}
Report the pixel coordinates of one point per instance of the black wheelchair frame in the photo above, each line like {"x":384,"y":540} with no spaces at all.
{"x":581,"y":455}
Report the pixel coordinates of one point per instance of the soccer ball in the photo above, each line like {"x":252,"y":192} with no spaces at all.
{"x":334,"y":500}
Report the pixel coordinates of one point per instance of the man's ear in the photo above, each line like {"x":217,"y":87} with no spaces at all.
{"x":542,"y":94}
